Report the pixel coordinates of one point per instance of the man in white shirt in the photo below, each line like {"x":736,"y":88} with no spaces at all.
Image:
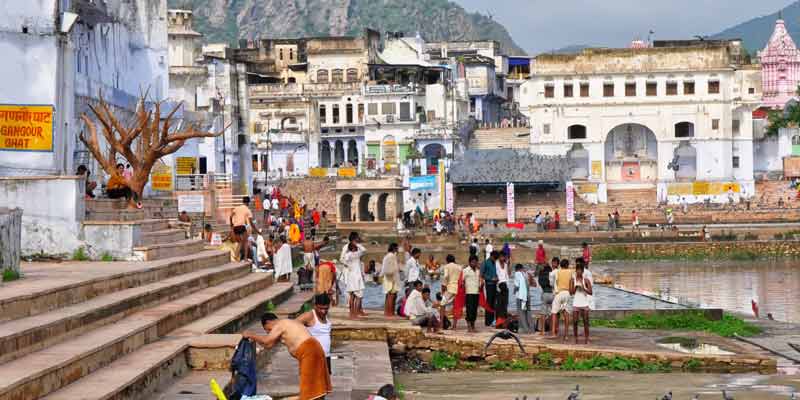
{"x":412,"y":267}
{"x":488,"y":249}
{"x":418,"y":310}
{"x":501,"y":301}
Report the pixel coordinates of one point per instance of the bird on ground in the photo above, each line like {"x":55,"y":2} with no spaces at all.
{"x":667,"y":396}
{"x":576,"y":394}
{"x":725,"y":396}
{"x":696,"y":397}
{"x":770,"y":317}
{"x":505,"y":334}
{"x":794,"y":396}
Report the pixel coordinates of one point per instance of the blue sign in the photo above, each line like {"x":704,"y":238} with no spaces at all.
{"x":425,"y":182}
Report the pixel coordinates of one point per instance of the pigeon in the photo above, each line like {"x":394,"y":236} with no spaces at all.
{"x":794,"y":396}
{"x":575,"y":395}
{"x":667,"y":396}
{"x":505,"y":334}
{"x":696,"y":397}
{"x":725,"y":396}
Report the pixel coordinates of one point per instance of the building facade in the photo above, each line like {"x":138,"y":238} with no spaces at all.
{"x":676,"y":112}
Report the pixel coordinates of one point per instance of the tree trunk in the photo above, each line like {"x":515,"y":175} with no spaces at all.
{"x":10,"y":238}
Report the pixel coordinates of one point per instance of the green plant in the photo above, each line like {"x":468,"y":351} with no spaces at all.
{"x":613,"y":364}
{"x":399,"y":389}
{"x":507,"y":238}
{"x":691,"y":365}
{"x":690,"y":320}
{"x":521,"y":365}
{"x":500,"y":365}
{"x":270,"y":307}
{"x":106,"y":257}
{"x":544,"y":360}
{"x":80,"y":255}
{"x":10,"y":275}
{"x":443,"y":360}
{"x":468,"y":365}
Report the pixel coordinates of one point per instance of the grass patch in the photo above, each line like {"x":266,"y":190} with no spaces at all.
{"x":545,"y":360}
{"x":613,"y":364}
{"x":106,"y":257}
{"x":620,"y":253}
{"x":691,"y":365}
{"x":10,"y":275}
{"x":443,"y":360}
{"x":688,"y":321}
{"x":80,"y":255}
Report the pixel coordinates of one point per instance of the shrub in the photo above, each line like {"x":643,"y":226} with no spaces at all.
{"x":80,"y":255}
{"x":10,"y":275}
{"x":443,"y":361}
{"x":544,"y":360}
{"x":691,"y":365}
{"x":106,"y":257}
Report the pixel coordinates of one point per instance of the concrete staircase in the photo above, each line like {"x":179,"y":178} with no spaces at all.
{"x":500,"y":138}
{"x":118,"y":330}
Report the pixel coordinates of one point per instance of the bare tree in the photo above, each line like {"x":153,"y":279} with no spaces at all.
{"x":154,"y":139}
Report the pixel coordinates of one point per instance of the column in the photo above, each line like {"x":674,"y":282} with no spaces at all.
{"x":345,"y":146}
{"x":332,"y":151}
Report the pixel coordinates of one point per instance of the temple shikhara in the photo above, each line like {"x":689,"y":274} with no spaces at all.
{"x":780,"y":67}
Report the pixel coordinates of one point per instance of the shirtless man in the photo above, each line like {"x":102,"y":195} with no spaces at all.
{"x":315,"y":382}
{"x":310,"y":259}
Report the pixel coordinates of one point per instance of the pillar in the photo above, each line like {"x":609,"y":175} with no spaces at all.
{"x":346,"y":147}
{"x":332,"y":151}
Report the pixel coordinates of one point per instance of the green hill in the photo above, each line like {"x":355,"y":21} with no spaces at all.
{"x":756,"y":32}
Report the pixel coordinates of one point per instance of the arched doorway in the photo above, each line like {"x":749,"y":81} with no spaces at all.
{"x":345,"y":208}
{"x":684,"y":130}
{"x":338,"y":154}
{"x":382,"y":216}
{"x":631,"y":153}
{"x":364,"y":213}
{"x":685,"y":162}
{"x":578,"y":162}
{"x":352,"y":152}
{"x":325,"y":154}
{"x":433,"y":153}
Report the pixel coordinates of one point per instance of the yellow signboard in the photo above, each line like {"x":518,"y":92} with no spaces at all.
{"x":347,"y":172}
{"x":597,"y":169}
{"x":700,"y":188}
{"x":586,"y":188}
{"x":679,"y":189}
{"x":26,"y":128}
{"x":161,"y":178}
{"x":185,"y":165}
{"x":318,"y":172}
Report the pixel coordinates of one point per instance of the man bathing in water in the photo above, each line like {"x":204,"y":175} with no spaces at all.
{"x":315,"y":382}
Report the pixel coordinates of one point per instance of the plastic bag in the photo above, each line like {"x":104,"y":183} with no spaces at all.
{"x":243,"y":369}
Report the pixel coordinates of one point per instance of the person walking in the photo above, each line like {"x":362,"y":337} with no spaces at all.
{"x":489,"y":284}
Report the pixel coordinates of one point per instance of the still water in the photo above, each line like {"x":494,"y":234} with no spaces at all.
{"x":731,"y":285}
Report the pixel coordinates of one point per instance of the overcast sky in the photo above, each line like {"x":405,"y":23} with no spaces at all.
{"x":542,"y":25}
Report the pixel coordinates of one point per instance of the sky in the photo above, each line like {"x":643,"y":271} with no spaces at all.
{"x":543,"y":25}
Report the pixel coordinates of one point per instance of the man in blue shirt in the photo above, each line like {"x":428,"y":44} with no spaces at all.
{"x":489,"y":281}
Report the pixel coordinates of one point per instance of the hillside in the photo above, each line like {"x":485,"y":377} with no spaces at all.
{"x":228,"y":20}
{"x":756,"y":32}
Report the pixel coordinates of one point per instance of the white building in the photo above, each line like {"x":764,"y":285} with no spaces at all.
{"x":662,"y":116}
{"x":66,"y":56}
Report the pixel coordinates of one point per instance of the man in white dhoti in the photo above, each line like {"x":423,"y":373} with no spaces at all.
{"x":353,"y":275}
{"x":283,"y":261}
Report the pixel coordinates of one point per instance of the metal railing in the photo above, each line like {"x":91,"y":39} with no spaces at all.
{"x":191,"y":182}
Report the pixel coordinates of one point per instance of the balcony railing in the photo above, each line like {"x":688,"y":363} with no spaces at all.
{"x":394,"y":89}
{"x":297,"y":89}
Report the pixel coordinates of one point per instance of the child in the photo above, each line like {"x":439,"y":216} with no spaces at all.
{"x":580,"y":288}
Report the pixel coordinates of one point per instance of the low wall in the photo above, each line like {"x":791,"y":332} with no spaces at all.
{"x":10,"y":238}
{"x":52,"y":212}
{"x":116,"y":239}
{"x":722,"y":249}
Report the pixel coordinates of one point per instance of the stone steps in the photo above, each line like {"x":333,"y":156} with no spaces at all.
{"x":23,"y":336}
{"x":193,"y":386}
{"x":167,"y":250}
{"x":151,"y":225}
{"x":42,"y":296}
{"x":162,"y":236}
{"x":45,"y":371}
{"x":115,"y":215}
{"x":138,"y":375}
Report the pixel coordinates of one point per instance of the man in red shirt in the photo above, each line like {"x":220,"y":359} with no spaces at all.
{"x":541,"y":257}
{"x":315,"y":216}
{"x":587,"y":253}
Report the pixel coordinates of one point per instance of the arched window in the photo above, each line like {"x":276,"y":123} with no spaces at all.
{"x":322,"y":76}
{"x":352,"y":75}
{"x":576,"y":132}
{"x":796,"y":140}
{"x":337,"y":76}
{"x":684,"y":130}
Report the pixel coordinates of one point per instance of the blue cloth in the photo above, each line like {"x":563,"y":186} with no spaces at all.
{"x":488,"y":271}
{"x":243,"y":367}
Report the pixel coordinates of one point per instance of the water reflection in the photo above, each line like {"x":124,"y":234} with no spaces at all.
{"x":774,"y":285}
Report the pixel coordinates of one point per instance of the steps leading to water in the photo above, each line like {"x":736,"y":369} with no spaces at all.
{"x":161,"y":251}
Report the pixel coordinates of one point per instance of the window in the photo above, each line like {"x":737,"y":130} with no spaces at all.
{"x":546,"y":129}
{"x":472,"y":105}
{"x":337,"y":76}
{"x":751,"y":90}
{"x":254,"y":158}
{"x":576,"y":132}
{"x":387,"y":108}
{"x":549,"y":91}
{"x":352,"y":75}
{"x":630,"y":89}
{"x":688,"y":87}
{"x":360,"y":113}
{"x":713,"y":87}
{"x":348,"y":112}
{"x":584,"y":89}
{"x":258,"y":128}
{"x":672,"y":88}
{"x":684,"y":130}
{"x":608,"y":89}
{"x":735,"y":127}
{"x":335,"y":113}
{"x":322,"y":76}
{"x":291,"y":54}
{"x":715,"y":124}
{"x":323,"y":118}
{"x":405,"y":111}
{"x":735,"y":161}
{"x":651,"y":89}
{"x":372,"y":109}
{"x":567,"y":90}
{"x":280,"y":54}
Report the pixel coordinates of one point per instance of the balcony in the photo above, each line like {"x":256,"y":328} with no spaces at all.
{"x":372,"y":90}
{"x":335,"y":88}
{"x":275,"y":90}
{"x":193,"y":71}
{"x":388,"y":120}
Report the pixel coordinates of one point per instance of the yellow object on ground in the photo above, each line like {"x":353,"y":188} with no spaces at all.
{"x":216,"y":390}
